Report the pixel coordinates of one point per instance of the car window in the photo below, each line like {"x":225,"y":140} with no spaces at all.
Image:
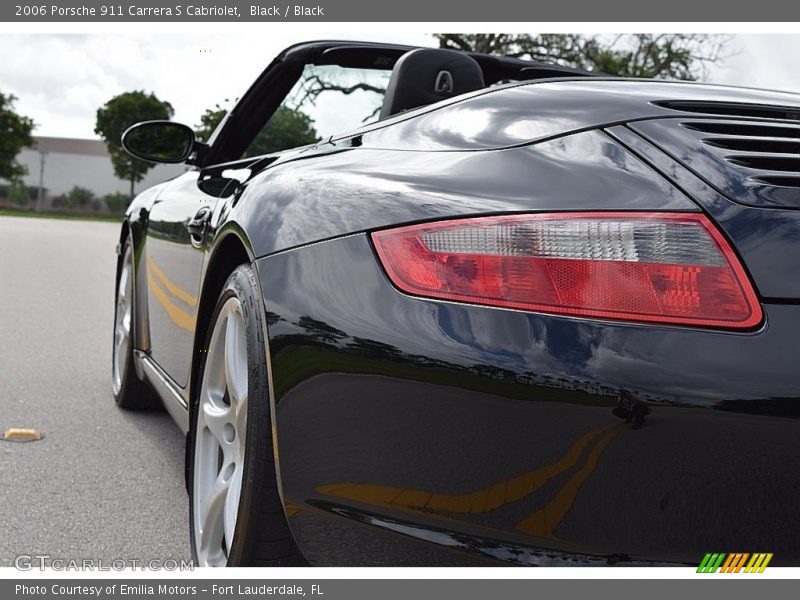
{"x":326,"y":100}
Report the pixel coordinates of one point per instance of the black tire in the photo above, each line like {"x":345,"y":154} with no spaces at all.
{"x":130,"y":392}
{"x":262,"y":536}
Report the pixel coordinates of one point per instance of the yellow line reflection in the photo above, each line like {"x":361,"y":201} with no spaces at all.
{"x":542,"y":522}
{"x":481,"y":501}
{"x":172,"y":288}
{"x":176,"y":314}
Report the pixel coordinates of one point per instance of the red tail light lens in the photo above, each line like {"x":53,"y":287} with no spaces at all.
{"x":650,"y":267}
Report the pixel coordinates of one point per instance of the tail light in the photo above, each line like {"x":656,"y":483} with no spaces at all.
{"x":633,"y":266}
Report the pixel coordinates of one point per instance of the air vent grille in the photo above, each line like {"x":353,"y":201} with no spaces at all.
{"x":734,"y":109}
{"x":755,"y":145}
{"x":745,"y":129}
{"x":771,"y":153}
{"x":779,"y":180}
{"x":767,"y":163}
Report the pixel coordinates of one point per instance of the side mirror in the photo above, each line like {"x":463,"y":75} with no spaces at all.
{"x":159,"y":141}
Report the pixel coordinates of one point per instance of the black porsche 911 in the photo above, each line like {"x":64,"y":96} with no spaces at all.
{"x":414,"y":306}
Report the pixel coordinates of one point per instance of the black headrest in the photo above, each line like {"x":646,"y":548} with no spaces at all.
{"x":427,"y":75}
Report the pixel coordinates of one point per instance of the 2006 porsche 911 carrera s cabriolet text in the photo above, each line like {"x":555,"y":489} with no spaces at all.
{"x":480,"y":310}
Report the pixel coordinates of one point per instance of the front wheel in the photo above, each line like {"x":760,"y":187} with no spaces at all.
{"x":236,"y":514}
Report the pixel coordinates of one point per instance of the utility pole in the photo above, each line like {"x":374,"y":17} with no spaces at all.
{"x":40,"y":192}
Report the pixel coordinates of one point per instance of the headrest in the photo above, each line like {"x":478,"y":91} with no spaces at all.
{"x":427,"y":75}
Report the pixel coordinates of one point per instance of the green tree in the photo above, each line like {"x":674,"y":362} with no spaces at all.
{"x":209,"y":121}
{"x":19,"y":193}
{"x":116,"y":202}
{"x":287,"y":128}
{"x":116,"y":116}
{"x":672,"y":56}
{"x":15,"y":134}
{"x":78,"y":198}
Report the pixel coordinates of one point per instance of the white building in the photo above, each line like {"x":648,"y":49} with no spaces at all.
{"x":68,"y":162}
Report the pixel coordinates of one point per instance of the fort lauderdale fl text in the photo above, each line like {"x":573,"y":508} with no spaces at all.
{"x":144,"y":589}
{"x":272,"y":11}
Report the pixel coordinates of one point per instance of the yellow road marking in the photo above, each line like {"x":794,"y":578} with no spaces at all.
{"x":542,"y":522}
{"x":481,"y":501}
{"x":176,"y":314}
{"x":172,"y":288}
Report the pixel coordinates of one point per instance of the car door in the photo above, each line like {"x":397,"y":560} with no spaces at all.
{"x":176,"y":242}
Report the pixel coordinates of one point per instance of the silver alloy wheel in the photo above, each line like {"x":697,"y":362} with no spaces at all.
{"x":122,"y":321}
{"x":219,"y":439}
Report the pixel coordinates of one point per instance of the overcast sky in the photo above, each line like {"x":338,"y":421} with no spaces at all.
{"x":61,"y":80}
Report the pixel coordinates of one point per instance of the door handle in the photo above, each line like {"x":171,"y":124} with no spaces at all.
{"x":198,"y":224}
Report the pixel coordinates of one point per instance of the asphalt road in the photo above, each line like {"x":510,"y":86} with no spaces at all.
{"x":103,"y":483}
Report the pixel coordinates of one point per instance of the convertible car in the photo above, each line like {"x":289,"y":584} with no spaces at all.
{"x":413,"y":306}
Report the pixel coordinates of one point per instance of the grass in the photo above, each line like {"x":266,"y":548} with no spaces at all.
{"x":10,"y":212}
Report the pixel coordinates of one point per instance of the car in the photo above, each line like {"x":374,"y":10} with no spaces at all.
{"x":415,"y":306}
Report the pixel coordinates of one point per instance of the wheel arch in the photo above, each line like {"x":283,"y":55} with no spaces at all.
{"x":140,"y":331}
{"x":231,"y":249}
{"x":124,"y":233}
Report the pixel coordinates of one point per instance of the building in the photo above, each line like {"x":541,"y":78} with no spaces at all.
{"x":63,"y":163}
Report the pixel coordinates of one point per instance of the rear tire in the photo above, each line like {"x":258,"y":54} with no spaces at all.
{"x":130,"y":392}
{"x":236,"y":514}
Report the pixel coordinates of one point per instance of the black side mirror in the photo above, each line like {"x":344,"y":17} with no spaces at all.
{"x":159,"y":141}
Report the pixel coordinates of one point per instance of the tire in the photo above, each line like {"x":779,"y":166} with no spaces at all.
{"x":236,"y":515}
{"x":130,"y":392}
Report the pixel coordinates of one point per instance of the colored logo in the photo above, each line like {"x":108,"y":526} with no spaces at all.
{"x":743,"y":562}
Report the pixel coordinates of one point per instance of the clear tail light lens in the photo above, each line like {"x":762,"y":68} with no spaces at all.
{"x":633,"y":266}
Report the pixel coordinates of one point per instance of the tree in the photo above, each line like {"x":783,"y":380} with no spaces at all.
{"x":116,"y":116}
{"x":116,"y":202}
{"x":674,"y":56}
{"x":287,"y":128}
{"x":209,"y":121}
{"x":322,"y":79}
{"x":78,"y":198}
{"x":15,"y":134}
{"x":19,"y":193}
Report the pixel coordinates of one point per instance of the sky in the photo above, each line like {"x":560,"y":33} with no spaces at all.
{"x":60,"y":80}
